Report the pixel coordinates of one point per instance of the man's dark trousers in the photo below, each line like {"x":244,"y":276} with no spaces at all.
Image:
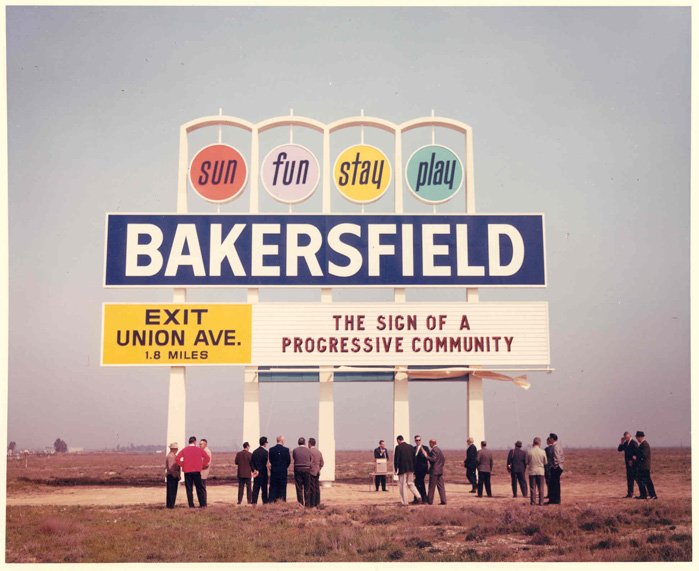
{"x":315,"y":490}
{"x":420,"y":485}
{"x":518,"y":477}
{"x":172,"y":484}
{"x":630,"y":479}
{"x":277,"y":487}
{"x":484,"y":480}
{"x":194,"y":478}
{"x":303,"y":487}
{"x":555,"y":486}
{"x":242,"y":484}
{"x":471,"y":476}
{"x":380,"y":480}
{"x":259,"y":484}
{"x":645,"y":484}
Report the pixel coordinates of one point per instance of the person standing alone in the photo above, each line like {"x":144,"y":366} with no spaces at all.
{"x":381,"y":452}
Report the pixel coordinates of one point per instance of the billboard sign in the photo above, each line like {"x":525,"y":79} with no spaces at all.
{"x":261,"y":250}
{"x":314,"y":334}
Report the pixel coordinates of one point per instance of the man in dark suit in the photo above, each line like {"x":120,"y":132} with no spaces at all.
{"x":549,"y":464}
{"x":485,"y":467}
{"x":645,"y":484}
{"x":259,"y":466}
{"x":556,"y":470}
{"x":381,"y":452}
{"x":421,"y":466}
{"x":243,"y":461}
{"x":471,"y":463}
{"x":279,"y":461}
{"x":436,"y":474}
{"x":403,"y":466}
{"x":629,"y":447}
{"x":516,"y":466}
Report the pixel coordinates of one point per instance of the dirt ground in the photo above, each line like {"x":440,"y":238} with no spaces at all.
{"x":575,"y":490}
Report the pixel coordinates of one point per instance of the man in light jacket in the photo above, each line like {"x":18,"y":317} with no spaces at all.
{"x":316,"y":464}
{"x":536,"y":462}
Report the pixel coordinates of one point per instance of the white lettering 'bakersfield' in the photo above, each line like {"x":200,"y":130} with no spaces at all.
{"x":186,"y":250}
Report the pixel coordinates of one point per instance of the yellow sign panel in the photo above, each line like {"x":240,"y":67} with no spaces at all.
{"x":176,"y":334}
{"x":362,"y":173}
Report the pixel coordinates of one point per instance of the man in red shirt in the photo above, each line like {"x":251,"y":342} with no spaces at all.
{"x":193,"y":459}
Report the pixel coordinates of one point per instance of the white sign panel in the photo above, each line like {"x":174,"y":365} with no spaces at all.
{"x":488,"y":334}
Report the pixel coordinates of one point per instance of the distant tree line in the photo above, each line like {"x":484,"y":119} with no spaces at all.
{"x":60,"y":445}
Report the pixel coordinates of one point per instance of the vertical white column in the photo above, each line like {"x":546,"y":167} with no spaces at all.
{"x":326,"y":390}
{"x":475,"y":411}
{"x":401,"y":400}
{"x":251,"y":407}
{"x":251,"y":393}
{"x":401,"y":409}
{"x":326,"y":425}
{"x":177,"y":396}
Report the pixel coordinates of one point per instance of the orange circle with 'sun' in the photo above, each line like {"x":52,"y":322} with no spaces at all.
{"x":218,"y":173}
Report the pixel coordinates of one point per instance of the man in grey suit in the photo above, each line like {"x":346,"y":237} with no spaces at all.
{"x":436,"y":474}
{"x":485,"y":467}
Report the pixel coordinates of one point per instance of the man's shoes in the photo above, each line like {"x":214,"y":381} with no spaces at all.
{"x":472,"y":491}
{"x":442,"y":503}
{"x":416,"y":501}
{"x":628,"y":496}
{"x":654,"y":497}
{"x":641,"y":498}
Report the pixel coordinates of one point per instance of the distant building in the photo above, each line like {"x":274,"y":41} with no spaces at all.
{"x":72,"y":449}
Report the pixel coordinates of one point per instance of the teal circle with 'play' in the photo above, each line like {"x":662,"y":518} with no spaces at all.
{"x":434,"y":174}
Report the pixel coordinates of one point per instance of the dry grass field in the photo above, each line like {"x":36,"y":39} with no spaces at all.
{"x":109,"y":507}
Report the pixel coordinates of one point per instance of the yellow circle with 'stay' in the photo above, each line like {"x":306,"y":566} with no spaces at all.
{"x":362,"y":174}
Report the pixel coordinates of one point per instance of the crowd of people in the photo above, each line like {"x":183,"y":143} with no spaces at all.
{"x":195,"y":462}
{"x":411,"y":465}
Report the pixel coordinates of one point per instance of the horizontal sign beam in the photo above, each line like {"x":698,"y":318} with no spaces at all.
{"x":246,"y":250}
{"x":316,"y":334}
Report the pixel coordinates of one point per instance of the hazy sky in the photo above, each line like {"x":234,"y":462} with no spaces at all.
{"x":582,"y":114}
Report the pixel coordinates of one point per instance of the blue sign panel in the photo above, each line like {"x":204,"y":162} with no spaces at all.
{"x":336,"y":250}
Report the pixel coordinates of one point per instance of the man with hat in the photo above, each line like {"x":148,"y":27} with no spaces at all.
{"x":645,"y":484}
{"x":516,"y":465}
{"x":172,"y":476}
